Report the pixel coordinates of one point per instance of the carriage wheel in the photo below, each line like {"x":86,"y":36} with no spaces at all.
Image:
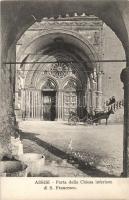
{"x":75,"y":120}
{"x":70,"y":121}
{"x":89,"y":121}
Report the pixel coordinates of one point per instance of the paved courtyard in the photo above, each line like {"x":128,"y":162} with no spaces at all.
{"x":80,"y":150}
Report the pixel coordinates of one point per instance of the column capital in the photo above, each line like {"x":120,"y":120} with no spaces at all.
{"x":125,"y":75}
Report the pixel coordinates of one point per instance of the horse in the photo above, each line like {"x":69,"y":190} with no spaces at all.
{"x":102,"y":115}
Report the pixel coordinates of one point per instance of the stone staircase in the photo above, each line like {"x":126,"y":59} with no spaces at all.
{"x":118,"y":108}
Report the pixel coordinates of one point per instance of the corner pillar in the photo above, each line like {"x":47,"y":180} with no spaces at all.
{"x":125,"y":80}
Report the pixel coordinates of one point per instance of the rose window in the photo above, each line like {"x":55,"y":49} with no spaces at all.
{"x":59,"y":70}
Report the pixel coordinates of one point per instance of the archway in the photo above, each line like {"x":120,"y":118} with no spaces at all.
{"x":60,"y":54}
{"x":108,"y":11}
{"x":49,"y":101}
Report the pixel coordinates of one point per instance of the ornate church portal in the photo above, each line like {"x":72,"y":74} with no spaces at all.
{"x":57,"y":73}
{"x":53,"y":89}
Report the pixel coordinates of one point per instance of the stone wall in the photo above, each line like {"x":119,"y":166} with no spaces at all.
{"x":107,"y":46}
{"x":112,"y":50}
{"x":88,"y":27}
{"x":104,"y":41}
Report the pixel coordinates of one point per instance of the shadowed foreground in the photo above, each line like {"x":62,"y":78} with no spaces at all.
{"x":94,"y":151}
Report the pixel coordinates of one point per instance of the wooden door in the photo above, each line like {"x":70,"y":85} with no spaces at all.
{"x":70,"y":103}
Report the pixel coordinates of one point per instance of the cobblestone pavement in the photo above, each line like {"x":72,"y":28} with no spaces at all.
{"x":80,"y":150}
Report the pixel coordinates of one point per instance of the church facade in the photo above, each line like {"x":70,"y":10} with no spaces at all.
{"x":58,"y":68}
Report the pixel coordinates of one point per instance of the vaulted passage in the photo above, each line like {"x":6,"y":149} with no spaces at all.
{"x":41,"y":99}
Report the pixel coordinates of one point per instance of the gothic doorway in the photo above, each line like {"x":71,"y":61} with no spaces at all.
{"x":48,"y":101}
{"x":49,"y":105}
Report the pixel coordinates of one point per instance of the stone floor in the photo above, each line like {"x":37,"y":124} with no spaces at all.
{"x":81,"y":150}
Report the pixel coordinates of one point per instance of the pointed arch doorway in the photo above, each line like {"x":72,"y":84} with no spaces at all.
{"x":48,"y":101}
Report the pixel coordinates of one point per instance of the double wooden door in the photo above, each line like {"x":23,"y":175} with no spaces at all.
{"x":70,"y":103}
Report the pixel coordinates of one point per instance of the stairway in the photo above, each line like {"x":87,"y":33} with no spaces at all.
{"x":118,"y":116}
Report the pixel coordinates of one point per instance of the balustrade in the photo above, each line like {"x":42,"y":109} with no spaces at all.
{"x":114,"y":106}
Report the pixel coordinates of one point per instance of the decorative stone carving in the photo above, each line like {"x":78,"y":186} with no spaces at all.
{"x":71,"y":85}
{"x":49,"y":85}
{"x":96,"y":38}
{"x":86,"y":23}
{"x":59,"y":70}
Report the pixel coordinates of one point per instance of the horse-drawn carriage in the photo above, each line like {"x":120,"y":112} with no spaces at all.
{"x":89,"y":118}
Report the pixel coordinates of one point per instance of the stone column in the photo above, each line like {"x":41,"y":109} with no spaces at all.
{"x":39,"y":103}
{"x":125,"y":80}
{"x":62,"y":104}
{"x":99,"y":92}
{"x":88,"y":95}
{"x":23,"y":103}
{"x":33,"y":100}
{"x":84,"y":96}
{"x":59,"y":108}
{"x":8,"y":125}
{"x":93,"y":95}
{"x":90,"y":100}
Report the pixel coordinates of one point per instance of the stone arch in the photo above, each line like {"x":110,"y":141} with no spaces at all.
{"x":81,"y":46}
{"x":41,"y":83}
{"x":74,"y":80}
{"x":37,"y":70}
{"x":114,"y":14}
{"x":60,"y":32}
